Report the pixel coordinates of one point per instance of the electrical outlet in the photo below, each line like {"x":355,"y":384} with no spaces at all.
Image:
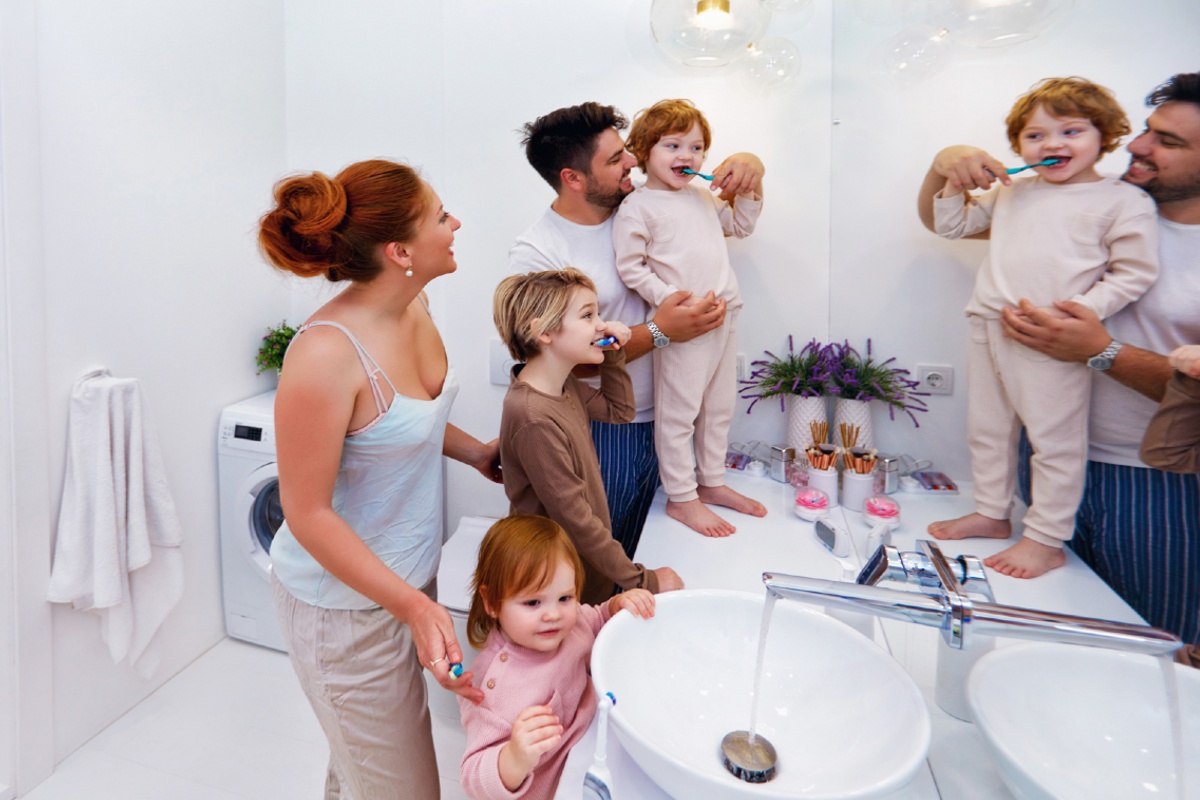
{"x":935,"y":378}
{"x":500,"y":363}
{"x":742,"y":374}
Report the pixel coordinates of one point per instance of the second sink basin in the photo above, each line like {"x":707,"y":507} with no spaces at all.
{"x":843,"y":716}
{"x":1079,"y":722}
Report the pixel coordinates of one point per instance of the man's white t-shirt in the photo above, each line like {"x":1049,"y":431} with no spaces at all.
{"x":554,"y":242}
{"x":1165,"y":317}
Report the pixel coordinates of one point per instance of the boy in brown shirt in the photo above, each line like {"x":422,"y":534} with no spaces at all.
{"x":551,"y":322}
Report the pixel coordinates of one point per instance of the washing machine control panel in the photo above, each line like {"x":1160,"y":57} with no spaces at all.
{"x":245,"y":435}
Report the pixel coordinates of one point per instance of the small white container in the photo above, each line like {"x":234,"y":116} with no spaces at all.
{"x":856,"y":489}
{"x":826,"y":480}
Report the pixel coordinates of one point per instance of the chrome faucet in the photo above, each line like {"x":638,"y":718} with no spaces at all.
{"x":944,"y":602}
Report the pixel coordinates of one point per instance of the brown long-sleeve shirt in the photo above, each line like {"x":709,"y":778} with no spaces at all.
{"x":1172,"y":441}
{"x":550,"y":468}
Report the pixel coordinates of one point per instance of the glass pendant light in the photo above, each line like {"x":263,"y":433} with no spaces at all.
{"x":707,"y":33}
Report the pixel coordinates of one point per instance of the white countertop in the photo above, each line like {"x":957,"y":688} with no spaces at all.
{"x":959,"y":764}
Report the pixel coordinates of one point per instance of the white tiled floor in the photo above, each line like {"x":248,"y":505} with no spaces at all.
{"x":232,"y":725}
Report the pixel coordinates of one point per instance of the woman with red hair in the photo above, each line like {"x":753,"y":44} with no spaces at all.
{"x":361,"y":427}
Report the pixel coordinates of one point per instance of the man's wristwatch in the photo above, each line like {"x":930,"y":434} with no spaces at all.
{"x":660,"y":338}
{"x":1104,"y":359}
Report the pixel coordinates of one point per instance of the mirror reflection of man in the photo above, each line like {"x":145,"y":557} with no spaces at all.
{"x":1137,"y":527}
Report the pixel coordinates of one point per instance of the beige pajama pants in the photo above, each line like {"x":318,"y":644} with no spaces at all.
{"x":360,"y":672}
{"x":695,"y":392}
{"x":1008,"y":384}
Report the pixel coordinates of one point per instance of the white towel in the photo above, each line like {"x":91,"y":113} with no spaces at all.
{"x":117,"y":552}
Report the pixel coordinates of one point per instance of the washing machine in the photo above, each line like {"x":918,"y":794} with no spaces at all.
{"x":250,"y":515}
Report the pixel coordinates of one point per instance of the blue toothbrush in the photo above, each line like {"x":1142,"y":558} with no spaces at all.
{"x":606,"y":341}
{"x":1015,"y":170}
{"x":687,"y":171}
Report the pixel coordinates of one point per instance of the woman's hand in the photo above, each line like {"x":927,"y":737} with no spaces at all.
{"x":535,"y":731}
{"x":437,"y":647}
{"x":638,"y":602}
{"x":488,"y":462}
{"x":465,"y":448}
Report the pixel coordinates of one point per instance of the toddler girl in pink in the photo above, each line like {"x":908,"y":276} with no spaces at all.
{"x":533,"y":668}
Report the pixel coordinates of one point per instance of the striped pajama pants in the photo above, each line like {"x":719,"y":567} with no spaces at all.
{"x":1139,"y":530}
{"x":629,"y":470}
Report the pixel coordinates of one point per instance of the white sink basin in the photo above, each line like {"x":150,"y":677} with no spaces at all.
{"x":1066,"y":722}
{"x":843,"y":716}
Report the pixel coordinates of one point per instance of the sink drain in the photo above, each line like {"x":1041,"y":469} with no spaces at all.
{"x":751,"y":758}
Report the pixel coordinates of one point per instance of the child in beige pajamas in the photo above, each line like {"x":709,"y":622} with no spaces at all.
{"x":1066,"y":233}
{"x":669,"y":235}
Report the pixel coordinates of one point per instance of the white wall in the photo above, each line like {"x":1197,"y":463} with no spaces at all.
{"x":839,"y":252}
{"x":161,"y":131}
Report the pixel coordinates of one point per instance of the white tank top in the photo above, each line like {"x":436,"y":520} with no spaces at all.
{"x":389,"y":490}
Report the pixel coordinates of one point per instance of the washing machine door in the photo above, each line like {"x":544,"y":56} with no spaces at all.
{"x":259,"y":508}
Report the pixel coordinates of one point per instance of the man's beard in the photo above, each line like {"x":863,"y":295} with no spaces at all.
{"x":602,"y":198}
{"x":1169,"y":192}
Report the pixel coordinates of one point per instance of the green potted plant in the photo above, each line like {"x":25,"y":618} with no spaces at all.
{"x":274,"y":345}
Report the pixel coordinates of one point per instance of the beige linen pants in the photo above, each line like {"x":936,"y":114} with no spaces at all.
{"x":360,"y":672}
{"x":1008,"y":384}
{"x":695,"y":392}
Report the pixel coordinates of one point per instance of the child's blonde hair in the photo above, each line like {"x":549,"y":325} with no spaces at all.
{"x":526,"y":306}
{"x":519,"y":553}
{"x":1071,"y":97}
{"x":662,"y":119}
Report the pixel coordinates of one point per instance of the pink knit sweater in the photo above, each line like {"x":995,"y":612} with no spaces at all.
{"x":513,"y":678}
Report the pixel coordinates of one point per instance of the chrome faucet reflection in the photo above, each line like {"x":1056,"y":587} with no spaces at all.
{"x":945,"y":602}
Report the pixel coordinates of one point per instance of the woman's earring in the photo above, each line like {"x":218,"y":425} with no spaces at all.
{"x":408,"y":272}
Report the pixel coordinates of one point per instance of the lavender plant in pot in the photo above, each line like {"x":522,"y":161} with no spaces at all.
{"x":800,"y":379}
{"x":857,"y":380}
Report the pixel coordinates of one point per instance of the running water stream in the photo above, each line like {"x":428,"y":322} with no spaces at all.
{"x":1171,"y":684}
{"x":768,"y":607}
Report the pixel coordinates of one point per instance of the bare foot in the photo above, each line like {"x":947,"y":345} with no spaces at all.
{"x":972,"y":526}
{"x":699,"y":518}
{"x":1027,"y":559}
{"x":724,"y":496}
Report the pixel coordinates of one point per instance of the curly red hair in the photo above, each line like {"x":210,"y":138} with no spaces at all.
{"x":662,"y":119}
{"x":1071,"y":97}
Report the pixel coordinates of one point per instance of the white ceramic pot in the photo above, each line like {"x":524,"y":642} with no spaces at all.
{"x":801,"y":413}
{"x":856,"y":413}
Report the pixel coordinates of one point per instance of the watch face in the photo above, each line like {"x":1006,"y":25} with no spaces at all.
{"x":1099,"y":362}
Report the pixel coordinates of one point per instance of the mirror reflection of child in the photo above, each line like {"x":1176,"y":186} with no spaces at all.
{"x":536,"y":641}
{"x":1066,"y":233}
{"x":668,"y":236}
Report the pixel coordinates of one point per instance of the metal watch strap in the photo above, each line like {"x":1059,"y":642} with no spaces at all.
{"x":1104,"y":359}
{"x":660,"y":338}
